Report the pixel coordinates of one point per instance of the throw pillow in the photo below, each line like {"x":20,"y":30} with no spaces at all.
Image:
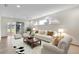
{"x":50,"y":33}
{"x":56,"y":41}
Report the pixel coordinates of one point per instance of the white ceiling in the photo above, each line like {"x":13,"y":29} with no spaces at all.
{"x":31,"y":11}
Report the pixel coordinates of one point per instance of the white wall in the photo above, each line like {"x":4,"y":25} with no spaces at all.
{"x":4,"y":22}
{"x":0,"y":28}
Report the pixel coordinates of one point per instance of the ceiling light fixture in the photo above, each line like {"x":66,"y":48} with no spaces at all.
{"x":18,"y":6}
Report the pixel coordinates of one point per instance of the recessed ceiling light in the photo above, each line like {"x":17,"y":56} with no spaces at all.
{"x":18,"y":6}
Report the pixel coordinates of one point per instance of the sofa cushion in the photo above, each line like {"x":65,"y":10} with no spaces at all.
{"x":42,"y":32}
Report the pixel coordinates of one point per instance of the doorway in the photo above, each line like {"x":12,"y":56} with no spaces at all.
{"x":19,"y":27}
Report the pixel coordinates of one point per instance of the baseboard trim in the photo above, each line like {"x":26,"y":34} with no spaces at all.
{"x":75,"y":44}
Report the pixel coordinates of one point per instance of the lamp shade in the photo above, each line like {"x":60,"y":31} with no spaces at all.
{"x":61,"y":30}
{"x":33,"y":28}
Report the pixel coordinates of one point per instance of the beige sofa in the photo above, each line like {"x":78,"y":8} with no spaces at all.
{"x":44,"y":37}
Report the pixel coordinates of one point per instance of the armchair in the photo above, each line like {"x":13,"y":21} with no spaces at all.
{"x":62,"y":48}
{"x":17,"y":36}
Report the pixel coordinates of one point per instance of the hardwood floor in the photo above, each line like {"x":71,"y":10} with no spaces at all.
{"x":74,"y":49}
{"x":5,"y":48}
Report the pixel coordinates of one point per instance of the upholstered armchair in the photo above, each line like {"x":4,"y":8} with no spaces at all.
{"x":17,"y":36}
{"x":62,"y":48}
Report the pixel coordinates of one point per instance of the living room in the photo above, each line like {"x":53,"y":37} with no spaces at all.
{"x":39,"y":28}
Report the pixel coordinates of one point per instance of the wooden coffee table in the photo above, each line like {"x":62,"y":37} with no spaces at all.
{"x":32,"y":41}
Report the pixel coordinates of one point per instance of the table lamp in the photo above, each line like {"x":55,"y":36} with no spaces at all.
{"x":60,"y":31}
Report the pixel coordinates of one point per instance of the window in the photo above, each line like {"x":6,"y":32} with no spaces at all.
{"x":42,"y":22}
